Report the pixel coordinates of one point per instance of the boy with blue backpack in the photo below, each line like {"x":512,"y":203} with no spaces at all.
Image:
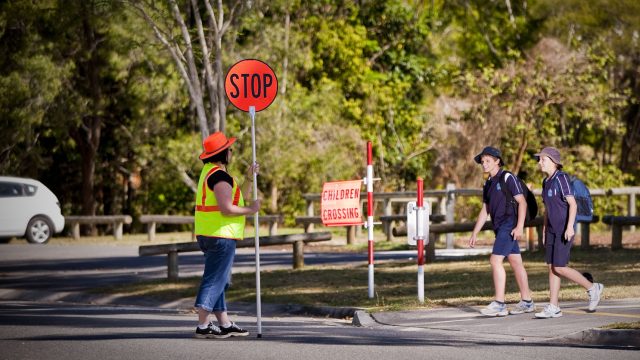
{"x":559,"y":230}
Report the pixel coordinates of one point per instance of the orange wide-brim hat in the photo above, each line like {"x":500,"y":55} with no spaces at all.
{"x":214,"y":144}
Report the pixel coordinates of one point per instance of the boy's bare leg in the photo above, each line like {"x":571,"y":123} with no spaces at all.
{"x":499,"y":276}
{"x":554,"y":286}
{"x":521,"y":275}
{"x":573,"y":275}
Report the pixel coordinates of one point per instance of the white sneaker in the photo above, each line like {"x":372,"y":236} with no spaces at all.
{"x":594,"y":296}
{"x":495,"y":309}
{"x":523,"y":307}
{"x":550,"y":311}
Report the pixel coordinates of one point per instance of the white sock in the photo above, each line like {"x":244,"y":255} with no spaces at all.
{"x":225,"y":325}
{"x":203,"y":326}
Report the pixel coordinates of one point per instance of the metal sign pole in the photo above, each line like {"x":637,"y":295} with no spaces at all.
{"x":252,"y":113}
{"x":420,"y":235}
{"x":369,"y":183}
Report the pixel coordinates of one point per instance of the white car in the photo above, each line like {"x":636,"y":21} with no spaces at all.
{"x":28,"y":208}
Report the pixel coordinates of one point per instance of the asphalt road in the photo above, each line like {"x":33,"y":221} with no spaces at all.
{"x":80,"y":267}
{"x":30,"y":330}
{"x":43,"y":315}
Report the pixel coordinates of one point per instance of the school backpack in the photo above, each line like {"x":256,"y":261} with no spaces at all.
{"x":532,"y":205}
{"x":583,"y":199}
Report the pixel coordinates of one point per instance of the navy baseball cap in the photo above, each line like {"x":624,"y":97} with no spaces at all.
{"x":489,"y":150}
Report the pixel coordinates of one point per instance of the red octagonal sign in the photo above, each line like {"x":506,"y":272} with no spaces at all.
{"x":251,"y":83}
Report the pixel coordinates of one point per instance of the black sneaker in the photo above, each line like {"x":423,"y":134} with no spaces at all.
{"x":211,"y":332}
{"x":234,"y":330}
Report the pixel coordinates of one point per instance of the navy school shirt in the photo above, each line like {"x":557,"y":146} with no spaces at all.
{"x":555,"y":190}
{"x":501,"y":215}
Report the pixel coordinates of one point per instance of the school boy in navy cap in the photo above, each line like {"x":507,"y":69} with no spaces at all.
{"x":508,"y":225}
{"x":559,"y":231}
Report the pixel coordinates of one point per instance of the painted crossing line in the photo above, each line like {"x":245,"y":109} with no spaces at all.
{"x":600,"y":313}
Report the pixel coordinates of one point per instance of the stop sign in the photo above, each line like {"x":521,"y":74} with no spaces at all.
{"x":251,"y":83}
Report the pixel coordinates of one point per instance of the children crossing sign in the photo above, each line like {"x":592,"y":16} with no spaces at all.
{"x":340,"y":203}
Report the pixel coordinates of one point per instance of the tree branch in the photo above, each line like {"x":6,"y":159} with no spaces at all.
{"x":176,"y":55}
{"x":193,"y":72}
{"x":511,"y":18}
{"x":208,"y":71}
{"x":380,"y":53}
{"x":225,"y":25}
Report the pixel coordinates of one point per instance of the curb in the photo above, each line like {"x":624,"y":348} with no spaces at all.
{"x":324,"y":311}
{"x":628,"y":338}
{"x":362,"y":318}
{"x":180,"y":304}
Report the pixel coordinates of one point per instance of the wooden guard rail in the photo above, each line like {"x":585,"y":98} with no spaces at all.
{"x":444,"y":202}
{"x":307,"y":223}
{"x":152,"y":220}
{"x":538,"y":223}
{"x":435,"y":230}
{"x":296,"y":240}
{"x":617,"y":223}
{"x":116,"y":220}
{"x":388,"y":220}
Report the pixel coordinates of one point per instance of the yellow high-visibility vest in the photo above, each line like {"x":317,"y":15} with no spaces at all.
{"x":209,"y":221}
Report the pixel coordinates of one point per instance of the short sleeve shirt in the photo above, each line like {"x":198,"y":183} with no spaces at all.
{"x":501,"y":214}
{"x":218,"y":176}
{"x":555,"y":191}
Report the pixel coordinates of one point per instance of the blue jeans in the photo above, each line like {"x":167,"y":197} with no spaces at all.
{"x":218,"y":259}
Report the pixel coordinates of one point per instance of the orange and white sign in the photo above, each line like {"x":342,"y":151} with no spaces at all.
{"x":340,"y":203}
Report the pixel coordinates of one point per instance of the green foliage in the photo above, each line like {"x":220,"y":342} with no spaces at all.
{"x":485,"y":33}
{"x":31,"y":79}
{"x":537,"y":103}
{"x":609,"y":30}
{"x":540,"y":73}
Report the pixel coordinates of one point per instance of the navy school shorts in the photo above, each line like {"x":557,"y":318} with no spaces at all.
{"x":556,"y":250}
{"x":505,"y":245}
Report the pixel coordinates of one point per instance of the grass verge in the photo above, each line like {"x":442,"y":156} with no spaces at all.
{"x":623,"y":326}
{"x":447,"y":283}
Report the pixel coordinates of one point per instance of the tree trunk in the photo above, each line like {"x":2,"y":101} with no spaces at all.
{"x":631,"y":140}
{"x":220,"y":121}
{"x":273,"y":205}
{"x":194,"y":79}
{"x":283,"y":109}
{"x":206,"y":61}
{"x":88,"y":136}
{"x":520,"y":155}
{"x":630,"y":149}
{"x":88,"y":175}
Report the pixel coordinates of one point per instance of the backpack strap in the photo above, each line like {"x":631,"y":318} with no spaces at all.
{"x":503,"y":185}
{"x":559,"y":185}
{"x":485,"y":191}
{"x":509,"y":200}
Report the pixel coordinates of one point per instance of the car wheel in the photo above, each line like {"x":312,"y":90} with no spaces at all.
{"x":39,"y":230}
